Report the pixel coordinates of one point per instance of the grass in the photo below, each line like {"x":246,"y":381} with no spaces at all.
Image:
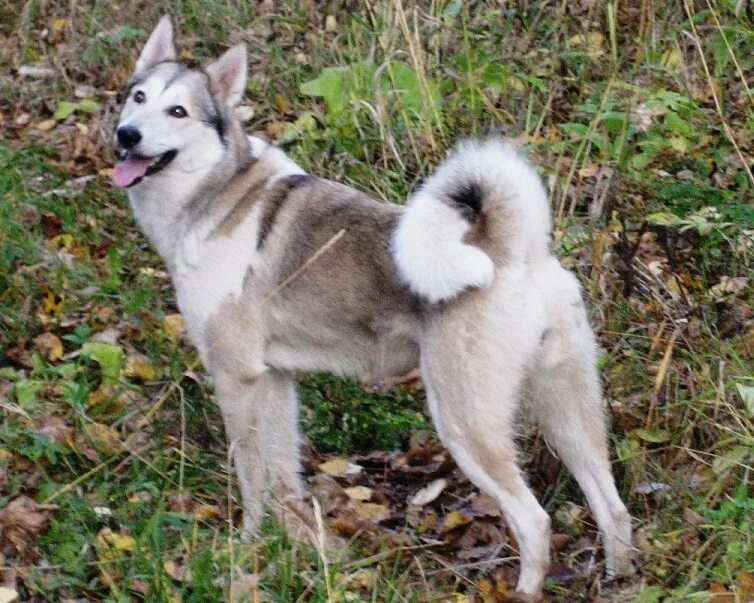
{"x":638,"y":115}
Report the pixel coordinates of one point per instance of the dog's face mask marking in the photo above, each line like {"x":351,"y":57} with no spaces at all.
{"x":175,"y":117}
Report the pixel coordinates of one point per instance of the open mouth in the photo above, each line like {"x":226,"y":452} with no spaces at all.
{"x":133,"y":168}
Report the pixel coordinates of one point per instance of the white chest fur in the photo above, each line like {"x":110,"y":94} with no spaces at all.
{"x":209,"y":269}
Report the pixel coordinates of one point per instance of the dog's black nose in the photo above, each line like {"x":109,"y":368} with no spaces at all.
{"x":128,"y":136}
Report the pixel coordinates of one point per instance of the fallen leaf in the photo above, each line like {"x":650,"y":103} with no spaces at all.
{"x":177,"y":572}
{"x":593,"y":43}
{"x":174,"y":326}
{"x":46,"y":125}
{"x":116,"y":540}
{"x":745,"y":586}
{"x":372,"y":511}
{"x":429,"y":492}
{"x":455,"y":519}
{"x":139,"y":366}
{"x":49,"y":345}
{"x":693,"y":518}
{"x":23,"y":520}
{"x":359,"y":493}
{"x":104,"y":438}
{"x":205,"y":512}
{"x":339,"y":467}
{"x":56,"y":429}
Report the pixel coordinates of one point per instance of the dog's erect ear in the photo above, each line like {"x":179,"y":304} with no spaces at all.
{"x":227,"y":76}
{"x":160,"y":46}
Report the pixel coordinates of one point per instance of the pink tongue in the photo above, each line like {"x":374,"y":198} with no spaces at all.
{"x":129,"y":170}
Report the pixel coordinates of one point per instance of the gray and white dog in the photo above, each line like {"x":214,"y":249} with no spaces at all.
{"x":277,"y":271}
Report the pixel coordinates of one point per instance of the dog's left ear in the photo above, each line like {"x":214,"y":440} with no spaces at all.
{"x":159,"y":47}
{"x":227,"y":76}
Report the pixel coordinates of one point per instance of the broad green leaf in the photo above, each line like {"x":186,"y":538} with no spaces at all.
{"x":653,"y":435}
{"x":109,"y":357}
{"x":27,"y":390}
{"x":65,"y":109}
{"x":306,"y":122}
{"x":330,"y":86}
{"x":651,"y":594}
{"x":664,"y":218}
{"x":88,"y":106}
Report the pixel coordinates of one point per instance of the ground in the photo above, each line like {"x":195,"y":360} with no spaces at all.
{"x":114,"y":481}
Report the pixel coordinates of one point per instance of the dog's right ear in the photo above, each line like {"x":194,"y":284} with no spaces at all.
{"x":160,"y":46}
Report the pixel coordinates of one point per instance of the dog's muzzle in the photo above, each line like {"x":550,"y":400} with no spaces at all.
{"x":133,"y":168}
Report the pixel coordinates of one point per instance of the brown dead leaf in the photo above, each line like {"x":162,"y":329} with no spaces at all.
{"x":484,"y":506}
{"x":56,"y":429}
{"x":104,"y":438}
{"x":23,"y":520}
{"x":693,"y":518}
{"x":49,"y":346}
{"x":720,"y":594}
{"x":745,"y":586}
{"x":181,"y":503}
{"x":177,"y":571}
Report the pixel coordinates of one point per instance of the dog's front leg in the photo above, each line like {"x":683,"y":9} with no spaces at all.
{"x":238,"y":398}
{"x":261,"y":423}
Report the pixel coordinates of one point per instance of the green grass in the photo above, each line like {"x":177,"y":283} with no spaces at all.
{"x":653,"y":209}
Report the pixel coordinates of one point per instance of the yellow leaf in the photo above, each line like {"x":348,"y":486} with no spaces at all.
{"x":115,"y":540}
{"x":593,"y":43}
{"x":59,"y":24}
{"x":140,"y":367}
{"x":373,"y":511}
{"x":49,"y":345}
{"x":187,"y":55}
{"x":174,"y":326}
{"x":205,"y":512}
{"x":104,"y":438}
{"x":455,"y":519}
{"x":61,"y":242}
{"x":53,"y":304}
{"x":283,"y":105}
{"x":359,"y":493}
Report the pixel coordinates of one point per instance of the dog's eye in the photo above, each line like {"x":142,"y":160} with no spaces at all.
{"x":177,"y":111}
{"x":139,"y":97}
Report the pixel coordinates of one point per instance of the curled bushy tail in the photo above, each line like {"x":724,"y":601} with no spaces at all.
{"x":484,"y":206}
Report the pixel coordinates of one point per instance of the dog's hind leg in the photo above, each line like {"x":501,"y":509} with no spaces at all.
{"x":473,"y":358}
{"x":565,"y":398}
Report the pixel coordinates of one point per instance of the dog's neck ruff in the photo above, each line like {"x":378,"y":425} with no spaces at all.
{"x":171,"y":205}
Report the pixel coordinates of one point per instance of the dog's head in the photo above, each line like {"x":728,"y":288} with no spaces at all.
{"x":175,"y":118}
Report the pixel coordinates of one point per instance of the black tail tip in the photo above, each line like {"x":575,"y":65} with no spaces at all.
{"x":468,"y":197}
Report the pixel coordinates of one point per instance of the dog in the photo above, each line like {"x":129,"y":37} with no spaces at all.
{"x":277,"y":271}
